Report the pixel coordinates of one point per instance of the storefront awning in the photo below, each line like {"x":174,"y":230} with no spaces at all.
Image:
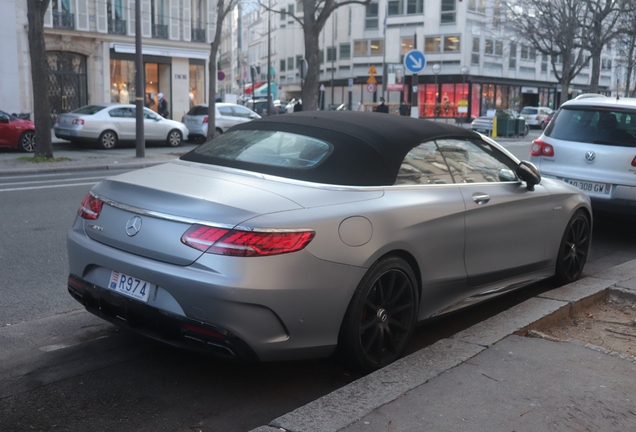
{"x":249,"y":88}
{"x":161,"y":51}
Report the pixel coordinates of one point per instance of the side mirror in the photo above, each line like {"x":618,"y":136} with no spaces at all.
{"x":529,"y":174}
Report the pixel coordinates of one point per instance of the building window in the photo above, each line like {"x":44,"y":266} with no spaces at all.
{"x":396,"y":7}
{"x":451,"y":44}
{"x":493,"y":47}
{"x":299,"y":60}
{"x":448,"y":11}
{"x":299,"y":7}
{"x":345,"y":51}
{"x":282,"y":66}
{"x":406,"y":44}
{"x":478,"y":6}
{"x":321,"y":56}
{"x":528,"y":53}
{"x":290,"y":9}
{"x":371,"y":17}
{"x":432,"y":44}
{"x":283,"y":14}
{"x":512,"y":61}
{"x":474,"y":58}
{"x":290,"y":63}
{"x":331,"y":54}
{"x":368,"y":47}
{"x":414,"y":7}
{"x":496,"y":14}
{"x":62,"y":14}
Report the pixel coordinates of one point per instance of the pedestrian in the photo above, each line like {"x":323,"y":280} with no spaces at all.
{"x":404,"y":109}
{"x":382,"y":108}
{"x":162,"y":107}
{"x":298,"y":106}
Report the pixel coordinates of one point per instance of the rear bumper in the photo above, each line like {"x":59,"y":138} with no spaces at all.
{"x":157,"y":324}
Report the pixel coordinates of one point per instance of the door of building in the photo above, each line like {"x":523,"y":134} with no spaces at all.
{"x":67,"y":82}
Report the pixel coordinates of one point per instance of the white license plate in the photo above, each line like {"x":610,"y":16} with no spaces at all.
{"x":191,"y":121}
{"x":591,"y":188}
{"x":130,"y":286}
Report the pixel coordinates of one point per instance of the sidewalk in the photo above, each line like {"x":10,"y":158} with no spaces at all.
{"x":87,"y":158}
{"x":487,"y":378}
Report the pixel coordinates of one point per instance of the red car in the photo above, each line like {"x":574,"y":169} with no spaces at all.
{"x":16,"y":133}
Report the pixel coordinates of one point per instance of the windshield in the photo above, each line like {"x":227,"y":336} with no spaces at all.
{"x":529,"y":111}
{"x":281,"y":149}
{"x":594,"y":125}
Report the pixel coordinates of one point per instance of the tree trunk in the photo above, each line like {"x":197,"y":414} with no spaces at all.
{"x":309,"y":94}
{"x":595,"y":72}
{"x":221,"y":13}
{"x":39,"y":77}
{"x":212,"y":71}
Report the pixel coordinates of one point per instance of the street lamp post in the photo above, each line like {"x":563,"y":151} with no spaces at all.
{"x":464,"y":72}
{"x":269,"y":58}
{"x":436,"y":70}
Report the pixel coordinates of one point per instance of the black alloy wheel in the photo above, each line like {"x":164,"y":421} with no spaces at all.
{"x":574,"y":248}
{"x":27,"y":142}
{"x":381,"y":316}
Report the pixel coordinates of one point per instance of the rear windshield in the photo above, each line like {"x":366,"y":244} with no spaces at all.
{"x":273,"y":148}
{"x":89,"y":109}
{"x":198,"y":110}
{"x":594,"y":125}
{"x":529,"y":111}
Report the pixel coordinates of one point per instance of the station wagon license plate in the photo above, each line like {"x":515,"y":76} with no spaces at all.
{"x":591,"y":188}
{"x":130,"y":286}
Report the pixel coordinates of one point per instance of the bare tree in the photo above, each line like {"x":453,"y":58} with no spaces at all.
{"x":555,"y":28}
{"x":626,"y":46}
{"x":222,"y":10}
{"x":39,"y":77}
{"x":602,"y":19}
{"x":315,"y":15}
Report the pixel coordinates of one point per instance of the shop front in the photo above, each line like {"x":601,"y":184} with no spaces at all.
{"x":178,"y":74}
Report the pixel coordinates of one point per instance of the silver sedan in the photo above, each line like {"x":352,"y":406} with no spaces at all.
{"x":107,"y":124}
{"x":297,"y":236}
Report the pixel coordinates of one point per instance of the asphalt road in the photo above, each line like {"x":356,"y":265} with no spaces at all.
{"x":63,"y":369}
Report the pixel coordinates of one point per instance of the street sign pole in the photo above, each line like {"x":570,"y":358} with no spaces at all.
{"x":414,"y":62}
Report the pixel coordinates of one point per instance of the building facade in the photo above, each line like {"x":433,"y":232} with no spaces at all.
{"x":471,"y":59}
{"x":90,"y":48}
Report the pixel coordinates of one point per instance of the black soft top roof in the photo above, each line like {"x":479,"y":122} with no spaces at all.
{"x":368,"y":147}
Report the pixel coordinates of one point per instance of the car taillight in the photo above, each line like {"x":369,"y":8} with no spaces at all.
{"x":537,"y":118}
{"x":78,"y":121}
{"x":540,"y":148}
{"x":182,"y":119}
{"x":222,"y":241}
{"x":205,"y":119}
{"x":90,"y":207}
{"x":634,"y":162}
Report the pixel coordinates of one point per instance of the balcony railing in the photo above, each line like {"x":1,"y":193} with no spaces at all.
{"x":198,"y":35}
{"x":160,"y":31}
{"x":63,"y":20}
{"x":116,"y":26}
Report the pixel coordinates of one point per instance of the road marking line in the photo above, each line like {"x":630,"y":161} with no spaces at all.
{"x":46,"y":187}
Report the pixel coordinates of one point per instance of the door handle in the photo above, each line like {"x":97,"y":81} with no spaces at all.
{"x":480,"y":198}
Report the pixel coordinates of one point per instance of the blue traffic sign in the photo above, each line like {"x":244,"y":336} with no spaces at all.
{"x":414,"y":61}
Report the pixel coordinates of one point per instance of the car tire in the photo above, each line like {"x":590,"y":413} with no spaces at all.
{"x":574,"y":248}
{"x":542,"y":125}
{"x":107,"y":140}
{"x":381,"y":316}
{"x":218,"y":132}
{"x":27,"y":142}
{"x":175,"y":138}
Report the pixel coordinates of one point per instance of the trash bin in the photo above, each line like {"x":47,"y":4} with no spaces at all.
{"x":520,"y":127}
{"x":505,"y":127}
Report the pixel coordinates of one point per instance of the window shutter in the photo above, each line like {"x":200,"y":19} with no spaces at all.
{"x":102,"y":18}
{"x":174,"y":19}
{"x":131,"y":17}
{"x":48,"y":16}
{"x":211,"y":19}
{"x":146,"y":24}
{"x":81,"y":15}
{"x":187,"y":20}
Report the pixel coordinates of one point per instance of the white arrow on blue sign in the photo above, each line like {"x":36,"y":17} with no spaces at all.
{"x":414,"y":61}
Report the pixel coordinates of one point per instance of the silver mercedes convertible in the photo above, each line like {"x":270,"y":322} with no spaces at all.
{"x":320,"y":233}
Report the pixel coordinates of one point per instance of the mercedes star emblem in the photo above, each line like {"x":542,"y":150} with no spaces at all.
{"x":133,"y":226}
